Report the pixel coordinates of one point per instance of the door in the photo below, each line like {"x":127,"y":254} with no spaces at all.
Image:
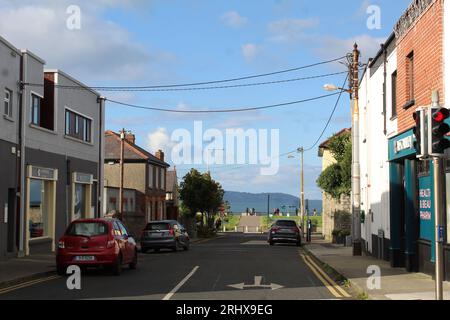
{"x":11,"y":215}
{"x":128,"y":253}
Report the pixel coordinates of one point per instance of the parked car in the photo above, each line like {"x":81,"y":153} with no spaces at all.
{"x":167,"y":234}
{"x":285,"y":231}
{"x":100,"y":242}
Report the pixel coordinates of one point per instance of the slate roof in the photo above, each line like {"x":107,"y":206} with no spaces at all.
{"x":171,"y":180}
{"x":132,"y":151}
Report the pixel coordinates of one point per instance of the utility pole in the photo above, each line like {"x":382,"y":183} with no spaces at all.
{"x":438,"y":222}
{"x":122,"y":148}
{"x":302,"y":188}
{"x":356,"y":197}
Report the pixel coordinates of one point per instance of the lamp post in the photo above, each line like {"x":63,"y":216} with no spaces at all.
{"x":301,"y":150}
{"x":353,"y":65}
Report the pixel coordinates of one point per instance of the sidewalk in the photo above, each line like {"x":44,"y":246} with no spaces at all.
{"x":396,"y":283}
{"x":19,"y":270}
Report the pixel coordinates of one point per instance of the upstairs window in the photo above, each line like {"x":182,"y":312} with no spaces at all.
{"x":36,"y":110}
{"x":410,"y":77}
{"x":394,"y":95}
{"x":78,"y":126}
{"x":8,"y":103}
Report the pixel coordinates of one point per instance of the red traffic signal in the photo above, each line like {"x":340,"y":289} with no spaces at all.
{"x":441,"y":114}
{"x":439,"y":130}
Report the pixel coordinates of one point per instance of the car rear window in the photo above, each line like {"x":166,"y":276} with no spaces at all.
{"x":285,"y":223}
{"x":157,"y":226}
{"x":87,"y":229}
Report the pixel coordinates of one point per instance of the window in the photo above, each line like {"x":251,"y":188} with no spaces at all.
{"x":394,"y":94}
{"x":410,"y":76}
{"x":8,"y":103}
{"x":158,"y":181}
{"x":424,"y":168}
{"x":36,"y":110}
{"x":150,"y":176}
{"x":78,"y":126}
{"x":38,"y":208}
{"x":87,"y":229}
{"x":163,"y":179}
{"x":80,"y":201}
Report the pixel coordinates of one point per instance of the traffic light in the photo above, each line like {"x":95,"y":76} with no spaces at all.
{"x":420,"y":132}
{"x":439,"y":130}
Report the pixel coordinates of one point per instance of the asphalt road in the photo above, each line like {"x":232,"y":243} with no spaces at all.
{"x":231,"y":267}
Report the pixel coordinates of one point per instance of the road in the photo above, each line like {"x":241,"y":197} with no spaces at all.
{"x":232,"y":267}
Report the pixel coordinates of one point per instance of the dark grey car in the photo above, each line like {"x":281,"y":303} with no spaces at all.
{"x":166,"y":234}
{"x":285,"y":231}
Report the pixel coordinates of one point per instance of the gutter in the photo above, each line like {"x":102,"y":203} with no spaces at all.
{"x":383,"y":47}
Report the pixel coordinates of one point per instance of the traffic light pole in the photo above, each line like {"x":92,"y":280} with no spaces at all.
{"x":438,"y":223}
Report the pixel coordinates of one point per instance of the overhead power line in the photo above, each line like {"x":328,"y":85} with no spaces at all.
{"x":101,"y":88}
{"x":278,"y":105}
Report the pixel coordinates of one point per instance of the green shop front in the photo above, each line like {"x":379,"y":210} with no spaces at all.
{"x":412,"y":208}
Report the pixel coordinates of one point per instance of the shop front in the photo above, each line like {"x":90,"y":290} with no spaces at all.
{"x":412,"y":207}
{"x":40,"y":213}
{"x":82,"y":190}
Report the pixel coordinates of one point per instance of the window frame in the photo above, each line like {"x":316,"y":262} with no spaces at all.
{"x":394,"y":82}
{"x":410,"y":84}
{"x":33,"y":114}
{"x":7,"y":111}
{"x":82,"y":126}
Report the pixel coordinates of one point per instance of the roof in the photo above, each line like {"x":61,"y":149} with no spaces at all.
{"x":132,"y":152}
{"x":171,"y":180}
{"x":324,"y":145}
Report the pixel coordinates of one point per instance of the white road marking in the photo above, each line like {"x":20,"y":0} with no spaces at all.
{"x":257,"y":284}
{"x":178,"y":286}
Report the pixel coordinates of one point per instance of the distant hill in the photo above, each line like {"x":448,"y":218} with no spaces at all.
{"x":240,"y":201}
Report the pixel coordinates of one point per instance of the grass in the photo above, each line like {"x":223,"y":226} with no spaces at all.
{"x":266,"y":221}
{"x":233,"y":220}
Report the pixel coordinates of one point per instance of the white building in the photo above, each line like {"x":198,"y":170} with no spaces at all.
{"x":377,"y":124}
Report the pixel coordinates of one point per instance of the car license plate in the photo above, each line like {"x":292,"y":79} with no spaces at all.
{"x":84,"y":258}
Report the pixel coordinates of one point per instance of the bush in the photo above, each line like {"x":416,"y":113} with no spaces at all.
{"x":205,"y":232}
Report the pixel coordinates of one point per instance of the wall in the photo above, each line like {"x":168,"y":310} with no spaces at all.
{"x":330,"y":205}
{"x":425,"y":38}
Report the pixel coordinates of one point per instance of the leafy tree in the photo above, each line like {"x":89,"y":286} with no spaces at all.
{"x":336,"y":179}
{"x":200,"y":193}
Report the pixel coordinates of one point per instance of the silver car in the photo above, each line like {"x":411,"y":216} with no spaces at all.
{"x":284,"y":231}
{"x":166,"y":234}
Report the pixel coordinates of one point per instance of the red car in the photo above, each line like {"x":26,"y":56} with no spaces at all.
{"x":100,"y":242}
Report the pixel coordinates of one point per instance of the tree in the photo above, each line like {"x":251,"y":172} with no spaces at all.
{"x":336,"y":179}
{"x":200,"y":193}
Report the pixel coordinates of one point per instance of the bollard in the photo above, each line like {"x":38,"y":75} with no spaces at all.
{"x":224,"y":229}
{"x":235,"y":228}
{"x":246,"y":229}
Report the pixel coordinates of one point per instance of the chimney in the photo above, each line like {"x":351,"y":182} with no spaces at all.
{"x":160,"y":155}
{"x":130,"y":138}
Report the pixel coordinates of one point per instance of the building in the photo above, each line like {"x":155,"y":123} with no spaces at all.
{"x":63,"y":121}
{"x":143,"y":172}
{"x":10,"y":58}
{"x":378,"y":123}
{"x":331,"y":206}
{"x":51,"y":145}
{"x":396,"y":188}
{"x":172,"y":196}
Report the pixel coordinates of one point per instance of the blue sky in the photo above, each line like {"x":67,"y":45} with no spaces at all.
{"x":155,"y":42}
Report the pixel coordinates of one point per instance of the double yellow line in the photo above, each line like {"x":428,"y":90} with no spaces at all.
{"x":329,"y":283}
{"x":27,"y":284}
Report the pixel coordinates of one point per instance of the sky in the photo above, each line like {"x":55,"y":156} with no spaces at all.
{"x":161,"y":42}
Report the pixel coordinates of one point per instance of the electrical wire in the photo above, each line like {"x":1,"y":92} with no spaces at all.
{"x":101,"y":88}
{"x":221,"y":110}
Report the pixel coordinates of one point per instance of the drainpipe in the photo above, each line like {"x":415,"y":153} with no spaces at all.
{"x":23,"y":173}
{"x":101,"y":102}
{"x":383,"y":47}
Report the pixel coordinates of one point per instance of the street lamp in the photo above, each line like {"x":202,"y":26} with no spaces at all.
{"x":301,"y":150}
{"x":353,"y":64}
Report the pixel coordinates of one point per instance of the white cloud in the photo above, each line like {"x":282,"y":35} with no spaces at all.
{"x":101,"y":50}
{"x":332,"y":47}
{"x":290,"y":31}
{"x":159,"y":140}
{"x":250,"y":51}
{"x":233,"y":19}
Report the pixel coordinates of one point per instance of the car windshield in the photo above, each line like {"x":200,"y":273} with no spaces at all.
{"x":284,"y":223}
{"x":157,"y":226}
{"x":87,"y":229}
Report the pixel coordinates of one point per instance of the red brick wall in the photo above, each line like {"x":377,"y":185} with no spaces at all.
{"x":425,"y":39}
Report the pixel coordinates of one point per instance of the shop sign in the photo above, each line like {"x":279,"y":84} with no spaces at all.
{"x":43,"y":173}
{"x":403,"y":144}
{"x":425,"y":204}
{"x":83,"y":178}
